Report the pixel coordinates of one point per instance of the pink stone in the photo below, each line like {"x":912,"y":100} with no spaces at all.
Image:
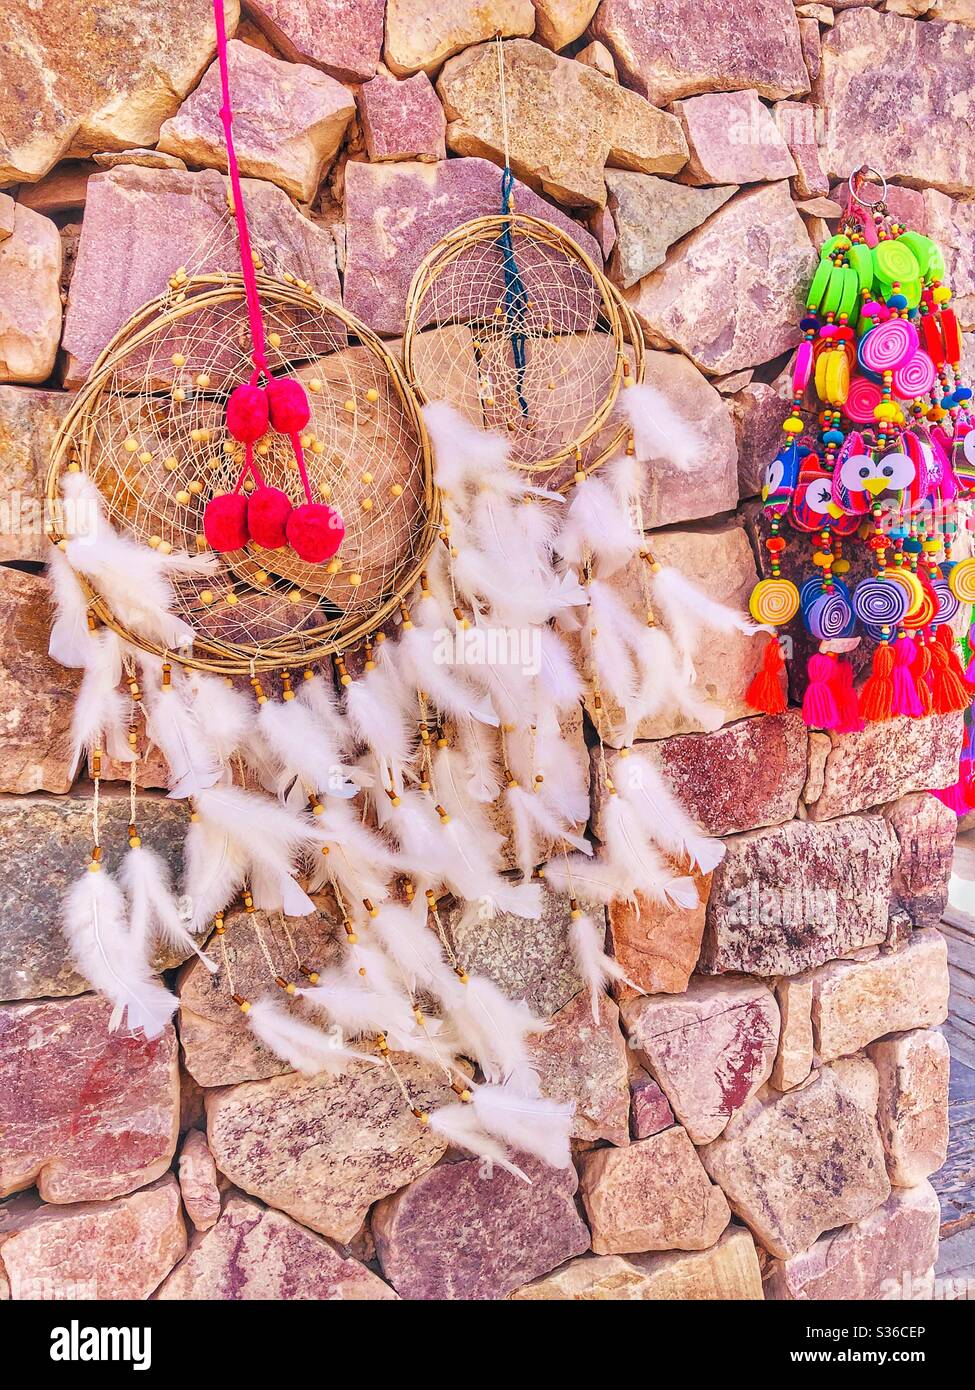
{"x":109,"y":1250}
{"x":710,"y":1048}
{"x":855,"y":1002}
{"x":650,"y":1111}
{"x":154,"y":220}
{"x":289,"y":120}
{"x":468,"y":1232}
{"x":889,"y":1254}
{"x":758,"y":411}
{"x":732,"y":139}
{"x":746,"y":775}
{"x":925,"y":830}
{"x":396,"y":212}
{"x":869,"y":768}
{"x":802,"y":1163}
{"x":345,"y":37}
{"x":795,"y":895}
{"x":672,"y":49}
{"x":85,"y":1114}
{"x":256,"y":1253}
{"x":585,"y":1062}
{"x":951,"y":223}
{"x":198,"y":1181}
{"x":402,"y":119}
{"x":29,"y":420}
{"x":913,"y":1111}
{"x":654,"y":1195}
{"x":799,"y":125}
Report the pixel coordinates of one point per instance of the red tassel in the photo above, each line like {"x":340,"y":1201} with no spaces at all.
{"x":765,"y":692}
{"x":819,"y":708}
{"x":906,"y":698}
{"x":845,"y":696}
{"x":945,"y":637}
{"x":877,"y":695}
{"x":948,"y":690}
{"x":921,"y":671}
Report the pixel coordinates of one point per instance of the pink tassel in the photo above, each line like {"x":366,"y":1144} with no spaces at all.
{"x":846,"y":698}
{"x":955,"y":798}
{"x":906,"y":699}
{"x":819,"y":705}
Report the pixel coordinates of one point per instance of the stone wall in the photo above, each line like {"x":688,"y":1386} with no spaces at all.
{"x":759,"y":1114}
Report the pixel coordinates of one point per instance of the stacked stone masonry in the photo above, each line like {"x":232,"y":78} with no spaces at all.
{"x":760,"y":1108}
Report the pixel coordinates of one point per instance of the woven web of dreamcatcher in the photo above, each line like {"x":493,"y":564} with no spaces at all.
{"x":553,"y":396}
{"x":148,"y":428}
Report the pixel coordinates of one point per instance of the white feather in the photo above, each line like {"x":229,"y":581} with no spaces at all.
{"x":379,"y":721}
{"x":414,"y":947}
{"x":637,"y":862}
{"x":662,"y":816}
{"x":227,"y":714}
{"x":318,"y":693}
{"x":304,"y":747}
{"x":528,"y":1123}
{"x":659,"y":432}
{"x":71,"y":638}
{"x":597,"y":528}
{"x":100,"y":715}
{"x":173,"y":725}
{"x":214,"y":868}
{"x":267,"y":837}
{"x":460,"y":1126}
{"x":594,"y":965}
{"x":477,"y":747}
{"x":687,"y":610}
{"x":358,"y":860}
{"x":153,"y":914}
{"x":419,"y":651}
{"x":356,"y":1007}
{"x":462,"y":453}
{"x":593,"y":881}
{"x":303,"y":1046}
{"x":532,"y":821}
{"x":560,"y":680}
{"x":493,"y":1028}
{"x":108,"y":957}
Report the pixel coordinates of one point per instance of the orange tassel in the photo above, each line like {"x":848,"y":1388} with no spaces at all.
{"x":944,"y":636}
{"x":921,"y":671}
{"x":877,"y":695}
{"x":948,"y":691}
{"x":765,"y":692}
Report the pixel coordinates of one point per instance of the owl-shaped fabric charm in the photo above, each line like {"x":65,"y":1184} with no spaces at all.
{"x":866,"y":482}
{"x":813,"y":507}
{"x":781,"y":476}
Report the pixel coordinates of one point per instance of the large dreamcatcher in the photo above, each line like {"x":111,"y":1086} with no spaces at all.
{"x":249,"y":499}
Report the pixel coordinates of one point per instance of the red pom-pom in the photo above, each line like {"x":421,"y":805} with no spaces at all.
{"x":315,"y":532}
{"x":225,"y":522}
{"x":289,"y":408}
{"x":247,"y":413}
{"x":267,"y":517}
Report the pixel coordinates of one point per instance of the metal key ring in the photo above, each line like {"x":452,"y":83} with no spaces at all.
{"x":877,"y":177}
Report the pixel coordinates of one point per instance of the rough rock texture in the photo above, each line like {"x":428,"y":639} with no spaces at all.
{"x":197,"y":1175}
{"x":711,"y":486}
{"x":758,"y":411}
{"x":30,"y":297}
{"x":597,"y":55}
{"x":654,"y":1195}
{"x":256,"y":1253}
{"x":419,"y":35}
{"x":527,"y":960}
{"x":107,"y":1250}
{"x":729,"y":1270}
{"x":889,"y":1254}
{"x":742,"y":777}
{"x":218,"y":1047}
{"x":710,"y":1048}
{"x":649,"y":215}
{"x":855,"y":1002}
{"x":561,"y":22}
{"x":732,"y":138}
{"x":799,"y":894}
{"x":657,"y":946}
{"x":925,"y":830}
{"x":396,"y":212}
{"x":566,"y":121}
{"x":82,"y":84}
{"x":801,"y":1164}
{"x":323,"y":1149}
{"x":886,"y":761}
{"x":794,"y":1059}
{"x":29,"y":420}
{"x":45,"y":842}
{"x":36,"y":694}
{"x":289,"y":120}
{"x":585,"y":1062}
{"x":345,"y":37}
{"x":650,"y":1110}
{"x":402,"y":119}
{"x":798,"y":123}
{"x":469,"y":1231}
{"x":952,"y":225}
{"x":674,"y":50}
{"x":937,"y":59}
{"x":913,"y":1109}
{"x":726,"y":313}
{"x":717,"y":557}
{"x":154,"y":220}
{"x":85,"y":1114}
